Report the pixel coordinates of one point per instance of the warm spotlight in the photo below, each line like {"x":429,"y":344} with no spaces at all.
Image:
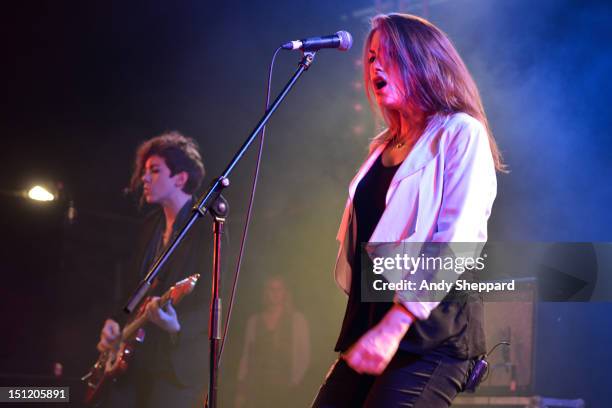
{"x":39,"y":193}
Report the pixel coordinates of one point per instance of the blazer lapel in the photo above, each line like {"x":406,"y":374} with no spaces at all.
{"x":423,"y":152}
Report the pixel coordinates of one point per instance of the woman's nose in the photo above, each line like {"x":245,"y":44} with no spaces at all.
{"x":376,"y":67}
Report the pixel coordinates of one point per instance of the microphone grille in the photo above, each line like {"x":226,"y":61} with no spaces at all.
{"x":346,"y":40}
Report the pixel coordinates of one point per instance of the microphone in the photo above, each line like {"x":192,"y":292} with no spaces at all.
{"x":342,"y":40}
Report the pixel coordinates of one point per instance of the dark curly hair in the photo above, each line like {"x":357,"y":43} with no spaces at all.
{"x":180,"y":154}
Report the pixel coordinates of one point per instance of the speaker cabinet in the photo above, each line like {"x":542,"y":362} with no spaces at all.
{"x":511,"y":316}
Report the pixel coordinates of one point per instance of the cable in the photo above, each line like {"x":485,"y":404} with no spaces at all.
{"x":248,"y":217}
{"x":506,"y":343}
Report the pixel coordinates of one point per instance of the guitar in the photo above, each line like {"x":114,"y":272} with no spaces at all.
{"x":113,"y":363}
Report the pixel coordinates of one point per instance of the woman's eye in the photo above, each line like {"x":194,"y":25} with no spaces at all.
{"x":371,"y":59}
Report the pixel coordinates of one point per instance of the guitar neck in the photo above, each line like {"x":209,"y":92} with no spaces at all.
{"x":131,"y":328}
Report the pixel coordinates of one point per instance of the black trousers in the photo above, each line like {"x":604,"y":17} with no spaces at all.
{"x":410,"y":380}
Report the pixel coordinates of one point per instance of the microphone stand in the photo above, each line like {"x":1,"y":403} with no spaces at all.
{"x":219,"y":212}
{"x":201,"y":208}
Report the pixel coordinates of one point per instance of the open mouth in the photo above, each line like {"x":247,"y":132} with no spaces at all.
{"x":379,"y":83}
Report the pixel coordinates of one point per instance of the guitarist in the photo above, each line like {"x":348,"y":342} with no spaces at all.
{"x":170,"y":368}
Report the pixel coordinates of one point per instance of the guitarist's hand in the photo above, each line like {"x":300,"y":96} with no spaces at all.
{"x":109,"y":336}
{"x":165,"y":319}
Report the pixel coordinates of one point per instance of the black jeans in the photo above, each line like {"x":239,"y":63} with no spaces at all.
{"x":410,"y":380}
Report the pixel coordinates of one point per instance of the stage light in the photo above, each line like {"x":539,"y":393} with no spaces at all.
{"x":39,"y":193}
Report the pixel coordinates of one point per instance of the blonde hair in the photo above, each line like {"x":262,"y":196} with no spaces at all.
{"x":434,"y":77}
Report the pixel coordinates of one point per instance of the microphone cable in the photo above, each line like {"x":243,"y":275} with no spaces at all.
{"x":248,"y":215}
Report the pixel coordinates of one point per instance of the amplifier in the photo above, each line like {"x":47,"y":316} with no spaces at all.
{"x":516,"y":402}
{"x":510,"y":316}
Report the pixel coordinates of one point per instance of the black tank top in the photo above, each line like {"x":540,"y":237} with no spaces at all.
{"x":369,"y":205}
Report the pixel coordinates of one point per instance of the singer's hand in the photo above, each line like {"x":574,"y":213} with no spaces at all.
{"x":166,"y":319}
{"x":372,"y":353}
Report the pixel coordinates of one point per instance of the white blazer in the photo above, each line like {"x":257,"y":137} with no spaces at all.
{"x":442,"y":192}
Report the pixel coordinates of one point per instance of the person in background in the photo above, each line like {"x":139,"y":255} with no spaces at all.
{"x":276,"y":351}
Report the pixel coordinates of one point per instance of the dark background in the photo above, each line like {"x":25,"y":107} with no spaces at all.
{"x":85,"y":82}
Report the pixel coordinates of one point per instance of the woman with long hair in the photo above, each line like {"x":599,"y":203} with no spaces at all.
{"x":429,"y":178}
